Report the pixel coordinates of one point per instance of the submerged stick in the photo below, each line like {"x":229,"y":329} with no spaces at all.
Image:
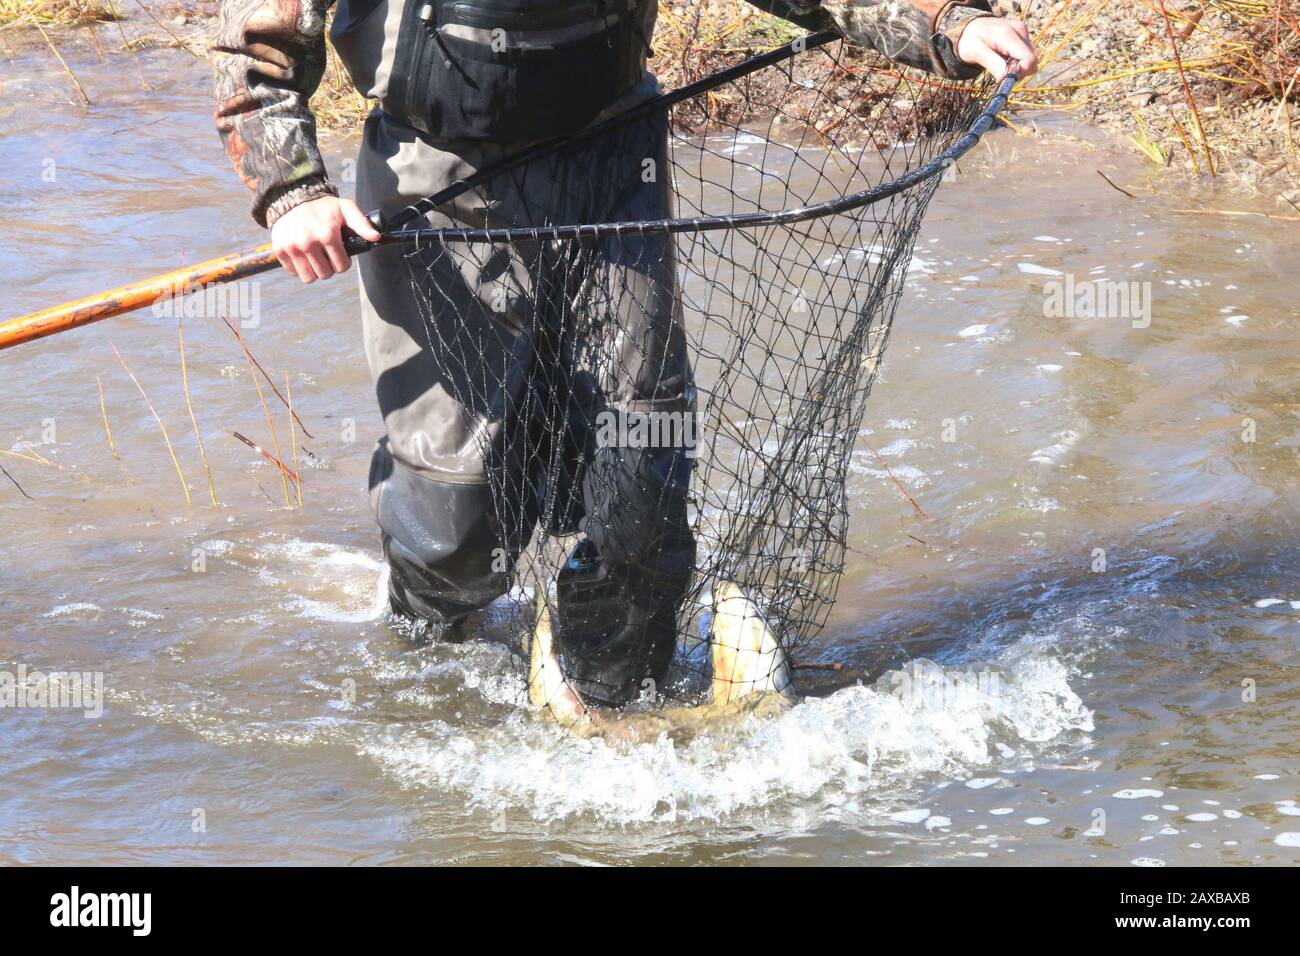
{"x":1238,"y":212}
{"x":20,"y":488}
{"x":889,"y":471}
{"x":1115,"y":186}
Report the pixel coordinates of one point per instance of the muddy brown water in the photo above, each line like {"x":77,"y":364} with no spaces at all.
{"x":1102,"y":587}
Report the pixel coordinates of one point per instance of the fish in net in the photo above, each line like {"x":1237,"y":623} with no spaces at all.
{"x":657,"y":341}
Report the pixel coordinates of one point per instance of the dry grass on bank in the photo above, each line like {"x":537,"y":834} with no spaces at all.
{"x":337,"y":106}
{"x":49,"y":13}
{"x":1208,"y":87}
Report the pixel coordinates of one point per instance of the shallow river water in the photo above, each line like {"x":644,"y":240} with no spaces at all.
{"x":1109,"y":545}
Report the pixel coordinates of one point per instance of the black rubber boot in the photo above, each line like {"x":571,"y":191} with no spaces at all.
{"x":620,"y":590}
{"x":617,"y":640}
{"x":414,"y":593}
{"x":443,"y":542}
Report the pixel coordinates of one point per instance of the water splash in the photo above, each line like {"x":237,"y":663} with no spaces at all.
{"x":860,"y":741}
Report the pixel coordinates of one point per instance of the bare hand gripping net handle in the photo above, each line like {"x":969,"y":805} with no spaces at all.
{"x":652,"y":348}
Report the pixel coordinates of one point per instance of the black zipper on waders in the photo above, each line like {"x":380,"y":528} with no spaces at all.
{"x":429,"y":17}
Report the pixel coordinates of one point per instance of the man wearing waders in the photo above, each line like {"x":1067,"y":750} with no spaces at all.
{"x":459,"y":85}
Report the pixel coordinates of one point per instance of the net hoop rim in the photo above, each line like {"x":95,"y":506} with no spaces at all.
{"x":935,"y":166}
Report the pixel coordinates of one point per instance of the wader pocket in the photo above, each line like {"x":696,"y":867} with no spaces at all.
{"x":513,"y":71}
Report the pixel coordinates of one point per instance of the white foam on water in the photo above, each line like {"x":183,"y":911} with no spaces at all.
{"x":897,"y":447}
{"x":860,"y":740}
{"x":1052,"y":454}
{"x":1202,"y":817}
{"x":71,"y":610}
{"x":972,"y":330}
{"x":743,"y":141}
{"x":1136,"y":794}
{"x":1147,"y":861}
{"x":1034,"y":269}
{"x":862,"y":462}
{"x":1037,"y":821}
{"x":1287,"y":838}
{"x":326,"y":582}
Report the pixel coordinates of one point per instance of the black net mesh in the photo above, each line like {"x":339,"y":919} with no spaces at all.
{"x":665,"y":413}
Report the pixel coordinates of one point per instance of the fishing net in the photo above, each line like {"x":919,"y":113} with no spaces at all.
{"x":661,"y":339}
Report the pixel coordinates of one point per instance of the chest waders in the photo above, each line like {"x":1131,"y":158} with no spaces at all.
{"x":494,"y":366}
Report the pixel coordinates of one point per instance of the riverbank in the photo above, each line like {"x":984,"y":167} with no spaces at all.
{"x":1205,"y":90}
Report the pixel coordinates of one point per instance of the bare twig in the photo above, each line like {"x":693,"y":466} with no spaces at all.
{"x":103,"y":411}
{"x":94,"y":32}
{"x":185,"y":382}
{"x":265,"y":375}
{"x":889,"y":471}
{"x":32,"y":456}
{"x":269,"y":457}
{"x":1187,"y":89}
{"x":270,"y":423}
{"x":293,"y":439}
{"x":161,"y":427}
{"x":179,"y":42}
{"x":126,"y":45}
{"x":81,"y":92}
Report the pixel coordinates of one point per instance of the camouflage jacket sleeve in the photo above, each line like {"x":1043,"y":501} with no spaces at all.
{"x":906,"y":31}
{"x":269,"y":56}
